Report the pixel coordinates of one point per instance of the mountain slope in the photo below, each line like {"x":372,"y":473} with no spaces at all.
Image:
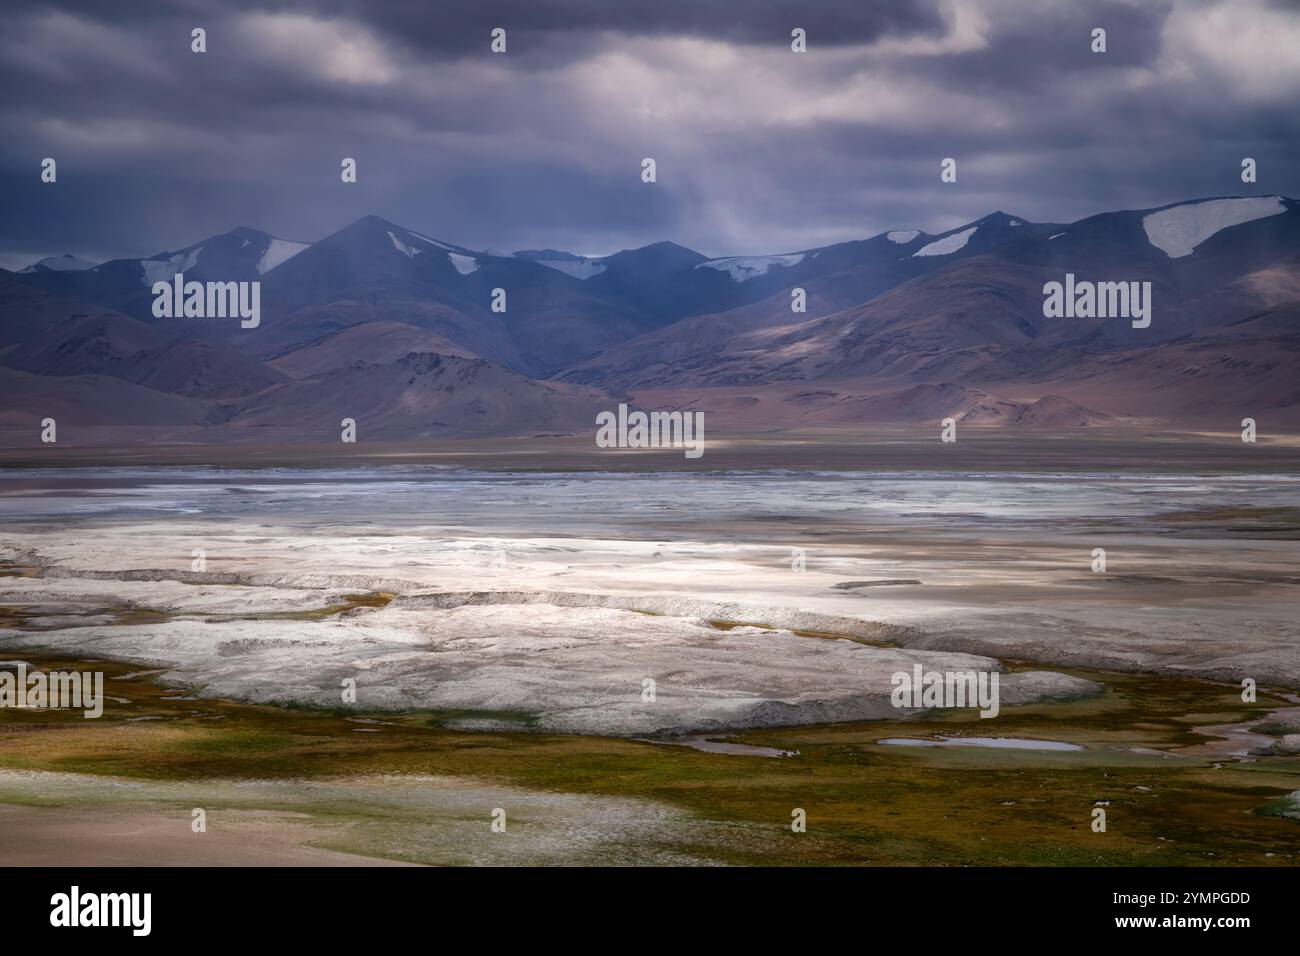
{"x":64,"y":263}
{"x":750,"y":293}
{"x":94,"y":400}
{"x":953,"y":321}
{"x":123,"y":348}
{"x":124,"y":285}
{"x":372,"y":343}
{"x":421,"y":394}
{"x":197,"y":370}
{"x":394,"y":328}
{"x":550,"y":318}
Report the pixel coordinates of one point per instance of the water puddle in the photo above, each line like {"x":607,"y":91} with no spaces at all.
{"x":1005,"y":743}
{"x":712,"y":745}
{"x":1241,"y":741}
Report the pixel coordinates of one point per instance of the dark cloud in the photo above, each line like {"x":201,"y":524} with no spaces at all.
{"x":451,"y":28}
{"x":759,"y":149}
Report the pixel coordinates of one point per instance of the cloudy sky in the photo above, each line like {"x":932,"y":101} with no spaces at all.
{"x":759,"y":149}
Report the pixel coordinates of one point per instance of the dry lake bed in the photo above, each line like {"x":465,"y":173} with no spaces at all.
{"x":373,"y":663}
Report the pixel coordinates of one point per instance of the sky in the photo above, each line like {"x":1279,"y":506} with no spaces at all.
{"x":758,"y":149}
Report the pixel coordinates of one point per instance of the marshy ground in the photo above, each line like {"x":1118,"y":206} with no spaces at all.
{"x":411,"y":788}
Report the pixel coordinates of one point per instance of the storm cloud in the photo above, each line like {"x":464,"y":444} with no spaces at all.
{"x":758,"y":149}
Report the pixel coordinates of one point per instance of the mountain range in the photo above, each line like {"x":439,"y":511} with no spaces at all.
{"x":412,"y":336}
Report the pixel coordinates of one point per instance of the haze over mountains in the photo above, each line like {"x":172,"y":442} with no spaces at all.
{"x":397,"y":329}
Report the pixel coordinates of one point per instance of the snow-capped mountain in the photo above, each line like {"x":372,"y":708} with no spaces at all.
{"x":897,"y":327}
{"x":376,"y":270}
{"x":580,"y":267}
{"x":1217,"y":268}
{"x":126,"y":284}
{"x":64,"y":263}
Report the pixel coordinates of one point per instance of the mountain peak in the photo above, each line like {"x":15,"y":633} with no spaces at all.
{"x":556,"y":255}
{"x":373,"y":220}
{"x":369,"y":225}
{"x":998,"y":216}
{"x":64,"y":263}
{"x":667,"y":246}
{"x":376,"y":228}
{"x":246,"y":232}
{"x":662,"y":253}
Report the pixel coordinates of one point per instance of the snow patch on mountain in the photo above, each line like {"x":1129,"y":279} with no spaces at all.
{"x":464,"y":264}
{"x":278,"y":251}
{"x":578,"y":268}
{"x":948,"y":244}
{"x":742,"y":268}
{"x":163,"y":270}
{"x":902,"y":236}
{"x":64,"y":263}
{"x":1177,"y":231}
{"x":409,"y":251}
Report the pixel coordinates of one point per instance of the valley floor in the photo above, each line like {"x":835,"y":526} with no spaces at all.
{"x":282,"y":786}
{"x":500,"y":627}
